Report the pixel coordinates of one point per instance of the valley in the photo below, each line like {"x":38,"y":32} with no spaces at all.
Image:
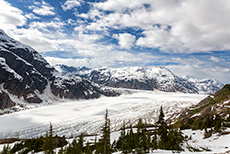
{"x":71,"y":118}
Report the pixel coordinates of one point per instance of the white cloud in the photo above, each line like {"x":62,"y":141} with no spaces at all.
{"x":215,"y":59}
{"x":195,"y":26}
{"x":70,"y":4}
{"x":120,"y":5}
{"x":126,"y":40}
{"x":201,"y":67}
{"x":98,"y":54}
{"x":36,"y":39}
{"x":216,"y":72}
{"x":100,"y":57}
{"x":43,"y":9}
{"x":10,"y":16}
{"x":68,"y":61}
{"x":44,"y":25}
{"x":31,"y":16}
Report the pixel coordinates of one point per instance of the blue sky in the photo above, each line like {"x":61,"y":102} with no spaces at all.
{"x":190,"y":37}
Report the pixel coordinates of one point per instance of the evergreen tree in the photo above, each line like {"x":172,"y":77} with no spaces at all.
{"x":104,"y":146}
{"x":141,"y":138}
{"x":123,"y":139}
{"x":61,"y":151}
{"x":154,"y":142}
{"x":162,"y":130}
{"x":80,"y":142}
{"x":131,"y":141}
{"x":73,"y":147}
{"x":49,"y":143}
{"x":217,"y":123}
{"x":87,"y":149}
{"x":175,"y":140}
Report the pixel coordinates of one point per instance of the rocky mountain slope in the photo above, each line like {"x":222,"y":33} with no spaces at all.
{"x":201,"y":115}
{"x":153,"y":78}
{"x":24,"y":73}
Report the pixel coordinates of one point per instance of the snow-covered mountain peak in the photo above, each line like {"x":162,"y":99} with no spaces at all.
{"x":159,"y":72}
{"x":70,"y":69}
{"x":8,"y":43}
{"x":128,"y":73}
{"x":205,"y":85}
{"x":152,"y":78}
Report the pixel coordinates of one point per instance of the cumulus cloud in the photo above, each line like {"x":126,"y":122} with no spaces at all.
{"x":100,"y":57}
{"x":126,"y":40}
{"x":70,"y":4}
{"x":44,"y":25}
{"x":37,"y":39}
{"x":194,"y":25}
{"x":10,"y":16}
{"x":68,"y":61}
{"x":216,"y":72}
{"x":215,"y":59}
{"x":202,"y":67}
{"x":43,"y":9}
{"x":120,"y":5}
{"x":31,"y":16}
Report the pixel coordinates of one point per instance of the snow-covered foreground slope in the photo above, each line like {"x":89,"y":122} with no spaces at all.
{"x":86,"y":116}
{"x":218,"y":144}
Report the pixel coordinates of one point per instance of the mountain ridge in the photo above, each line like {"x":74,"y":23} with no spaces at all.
{"x":203,"y":114}
{"x":152,"y":78}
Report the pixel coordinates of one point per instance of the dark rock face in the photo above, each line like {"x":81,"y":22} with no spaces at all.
{"x":26,"y":74}
{"x":72,"y":87}
{"x":15,"y":84}
{"x":33,"y":78}
{"x":5,"y":101}
{"x":26,"y":53}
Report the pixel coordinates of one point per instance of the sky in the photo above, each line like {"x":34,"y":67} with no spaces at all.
{"x":189,"y":37}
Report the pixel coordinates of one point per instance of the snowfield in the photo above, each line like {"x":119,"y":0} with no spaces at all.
{"x":87,"y":116}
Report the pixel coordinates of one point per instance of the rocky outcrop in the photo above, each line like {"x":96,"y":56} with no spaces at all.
{"x":5,"y":101}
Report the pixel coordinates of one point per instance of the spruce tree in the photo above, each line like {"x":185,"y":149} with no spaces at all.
{"x":49,"y":143}
{"x":87,"y":149}
{"x":162,"y":130}
{"x":80,"y":142}
{"x":132,"y":143}
{"x":123,"y":139}
{"x":141,"y":138}
{"x":154,"y":142}
{"x":104,"y":146}
{"x":217,"y":123}
{"x":61,"y":151}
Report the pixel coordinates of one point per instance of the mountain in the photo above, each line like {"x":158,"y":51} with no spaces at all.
{"x":207,"y":86}
{"x":24,"y":73}
{"x":153,"y":78}
{"x":205,"y":112}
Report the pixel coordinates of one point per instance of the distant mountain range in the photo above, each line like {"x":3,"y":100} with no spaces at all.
{"x":26,"y":76}
{"x":152,"y":78}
